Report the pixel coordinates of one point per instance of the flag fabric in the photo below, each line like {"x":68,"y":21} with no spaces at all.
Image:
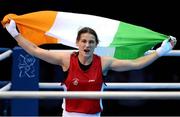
{"x":117,"y":39}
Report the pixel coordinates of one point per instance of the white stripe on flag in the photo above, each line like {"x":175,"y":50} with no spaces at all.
{"x":67,"y":25}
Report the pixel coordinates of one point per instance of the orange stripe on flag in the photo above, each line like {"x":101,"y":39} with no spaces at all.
{"x":33,"y":26}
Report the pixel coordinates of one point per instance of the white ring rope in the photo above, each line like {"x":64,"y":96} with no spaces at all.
{"x":173,"y":53}
{"x":122,"y":85}
{"x":135,"y":86}
{"x":5,"y":54}
{"x":91,"y":95}
{"x":111,"y":86}
{"x":6,"y":87}
{"x":95,"y":94}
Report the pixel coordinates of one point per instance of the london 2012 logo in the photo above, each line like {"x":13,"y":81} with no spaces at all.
{"x":26,"y":66}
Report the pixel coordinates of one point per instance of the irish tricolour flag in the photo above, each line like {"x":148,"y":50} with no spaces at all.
{"x":117,"y":39}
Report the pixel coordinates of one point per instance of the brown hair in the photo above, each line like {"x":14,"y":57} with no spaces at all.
{"x":87,"y":30}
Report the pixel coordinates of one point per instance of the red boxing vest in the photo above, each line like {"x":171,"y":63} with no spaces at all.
{"x":79,"y":80}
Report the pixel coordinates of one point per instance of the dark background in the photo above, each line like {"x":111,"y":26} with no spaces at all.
{"x":160,"y":16}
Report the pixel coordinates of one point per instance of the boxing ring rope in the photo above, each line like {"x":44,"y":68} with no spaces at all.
{"x":173,"y":53}
{"x":9,"y":52}
{"x":5,"y":54}
{"x":91,"y":94}
{"x":6,"y":87}
{"x":137,"y":86}
{"x":122,"y":85}
{"x":95,"y":94}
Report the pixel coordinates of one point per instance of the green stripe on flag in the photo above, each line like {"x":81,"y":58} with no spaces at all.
{"x":132,"y":41}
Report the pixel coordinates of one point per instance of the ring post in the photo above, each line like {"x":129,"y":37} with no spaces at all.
{"x":25,"y":77}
